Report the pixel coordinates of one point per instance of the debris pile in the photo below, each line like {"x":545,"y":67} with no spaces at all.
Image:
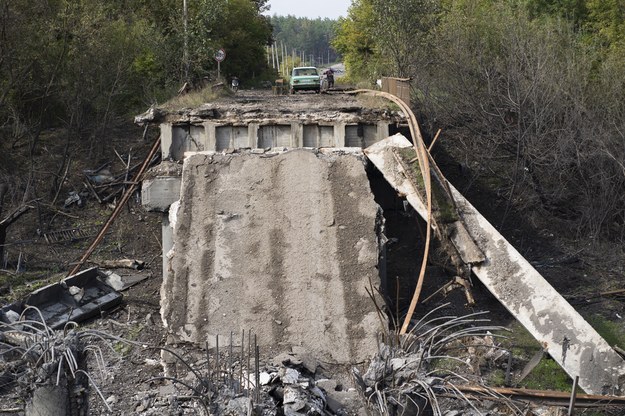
{"x":417,"y":373}
{"x":105,"y":186}
{"x":289,"y":384}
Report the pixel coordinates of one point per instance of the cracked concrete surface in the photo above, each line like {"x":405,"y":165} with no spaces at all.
{"x":281,"y":245}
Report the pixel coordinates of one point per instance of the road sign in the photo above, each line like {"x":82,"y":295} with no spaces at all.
{"x":220,"y":55}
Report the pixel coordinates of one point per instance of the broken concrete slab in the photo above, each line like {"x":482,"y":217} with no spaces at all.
{"x":121,"y":283}
{"x":561,"y":330}
{"x":285,"y":246}
{"x":75,"y":298}
{"x":158,"y":193}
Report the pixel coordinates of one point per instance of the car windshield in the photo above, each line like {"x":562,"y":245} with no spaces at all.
{"x":298,"y":72}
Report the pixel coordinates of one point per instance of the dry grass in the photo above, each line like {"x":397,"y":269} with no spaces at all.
{"x":375,"y":102}
{"x":195,"y":98}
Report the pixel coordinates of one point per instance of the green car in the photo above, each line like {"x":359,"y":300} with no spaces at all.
{"x":305,"y":78}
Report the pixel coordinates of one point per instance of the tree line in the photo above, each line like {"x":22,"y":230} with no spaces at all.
{"x":77,"y":63}
{"x":309,"y":40}
{"x":530,"y":94}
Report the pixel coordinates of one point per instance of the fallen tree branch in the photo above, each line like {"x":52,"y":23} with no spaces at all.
{"x":56,"y":211}
{"x":92,"y":189}
{"x":120,"y":264}
{"x":58,"y":190}
{"x":434,"y":141}
{"x":613,"y":292}
{"x":15,"y":215}
{"x":118,"y":207}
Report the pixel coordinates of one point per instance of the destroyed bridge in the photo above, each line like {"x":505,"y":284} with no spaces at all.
{"x":269,"y":222}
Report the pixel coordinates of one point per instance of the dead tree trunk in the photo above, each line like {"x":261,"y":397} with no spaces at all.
{"x":5,"y":223}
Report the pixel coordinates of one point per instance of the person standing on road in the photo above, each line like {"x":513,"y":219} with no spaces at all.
{"x":235,"y":84}
{"x":329,"y":73}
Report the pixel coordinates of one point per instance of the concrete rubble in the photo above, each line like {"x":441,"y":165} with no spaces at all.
{"x":288,"y":387}
{"x":271,"y":226}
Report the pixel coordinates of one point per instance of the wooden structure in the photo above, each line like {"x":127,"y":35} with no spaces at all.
{"x":399,"y":87}
{"x":280,"y":87}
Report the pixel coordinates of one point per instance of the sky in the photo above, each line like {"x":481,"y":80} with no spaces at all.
{"x":310,"y":8}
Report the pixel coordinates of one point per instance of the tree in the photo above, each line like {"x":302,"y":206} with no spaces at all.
{"x":386,"y":37}
{"x":402,"y":28}
{"x":244,"y":33}
{"x":356,"y":42}
{"x":312,"y":37}
{"x":606,"y":20}
{"x":511,"y":87}
{"x":574,"y":11}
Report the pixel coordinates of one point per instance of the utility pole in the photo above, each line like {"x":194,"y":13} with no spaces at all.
{"x":283,"y":58}
{"x":185,"y":52}
{"x":273,"y":57}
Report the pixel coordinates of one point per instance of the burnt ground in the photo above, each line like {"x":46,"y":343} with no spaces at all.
{"x":578,"y":268}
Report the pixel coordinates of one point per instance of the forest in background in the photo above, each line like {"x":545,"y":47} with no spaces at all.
{"x":71,"y":69}
{"x":308,"y":40}
{"x":76,"y":63}
{"x":529,"y":94}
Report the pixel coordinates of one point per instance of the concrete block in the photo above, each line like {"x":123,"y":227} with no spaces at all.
{"x":166,"y":140}
{"x":210,"y":134}
{"x":159,"y":193}
{"x":252,"y":135}
{"x":339,"y":135}
{"x":326,"y":136}
{"x":284,"y":246}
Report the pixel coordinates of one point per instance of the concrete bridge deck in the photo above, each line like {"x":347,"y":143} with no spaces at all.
{"x":261,"y":121}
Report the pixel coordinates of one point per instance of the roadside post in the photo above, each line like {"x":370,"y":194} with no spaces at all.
{"x":220,"y":55}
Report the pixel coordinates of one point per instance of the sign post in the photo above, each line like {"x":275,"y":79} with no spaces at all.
{"x":220,"y":55}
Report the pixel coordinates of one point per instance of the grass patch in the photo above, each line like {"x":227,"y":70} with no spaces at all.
{"x":375,"y":102}
{"x":124,"y":348}
{"x":612,"y":332}
{"x":548,"y":375}
{"x":519,"y":341}
{"x":445,"y":211}
{"x":194,"y":99}
{"x":446,"y":365}
{"x":496,"y":378}
{"x":23,"y":284}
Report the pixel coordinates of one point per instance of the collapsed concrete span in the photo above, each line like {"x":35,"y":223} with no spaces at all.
{"x":555,"y":324}
{"x":283,"y":245}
